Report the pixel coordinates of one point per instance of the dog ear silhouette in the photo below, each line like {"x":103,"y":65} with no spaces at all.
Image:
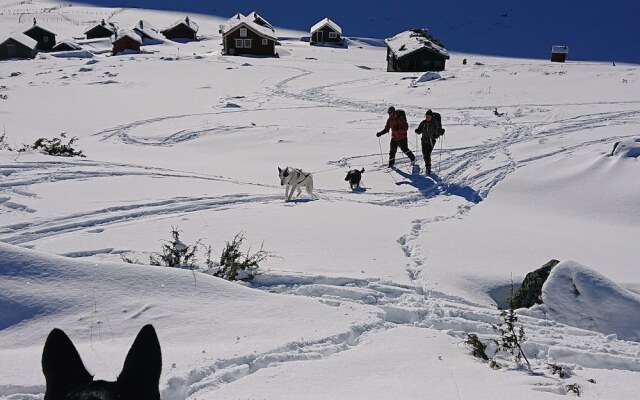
{"x":62,"y":367}
{"x":67,"y":377}
{"x":140,"y":376}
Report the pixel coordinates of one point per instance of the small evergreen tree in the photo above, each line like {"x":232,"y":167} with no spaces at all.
{"x":175,"y":253}
{"x":236,"y":265}
{"x":55,"y":146}
{"x":510,"y":337}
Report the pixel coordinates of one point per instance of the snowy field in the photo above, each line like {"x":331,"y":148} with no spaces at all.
{"x":372,"y":292}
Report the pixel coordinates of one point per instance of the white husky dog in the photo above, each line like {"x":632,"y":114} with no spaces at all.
{"x":295,"y":178}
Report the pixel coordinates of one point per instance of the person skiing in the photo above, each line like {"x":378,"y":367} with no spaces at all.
{"x":430,"y":129}
{"x":398,"y":127}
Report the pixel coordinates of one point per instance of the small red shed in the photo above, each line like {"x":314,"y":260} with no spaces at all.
{"x":559,"y":53}
{"x":125,"y":40}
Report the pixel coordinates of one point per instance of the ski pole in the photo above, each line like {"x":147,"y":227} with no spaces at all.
{"x":380,"y":145}
{"x":440,"y":160}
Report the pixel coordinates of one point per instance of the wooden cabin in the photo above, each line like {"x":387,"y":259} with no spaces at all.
{"x":181,"y":29}
{"x":146,"y":31}
{"x":326,"y":31}
{"x":125,"y":40}
{"x":559,"y":53}
{"x":45,"y":38}
{"x":415,"y":51}
{"x":242,"y":36}
{"x":102,"y":30}
{"x":18,"y":45}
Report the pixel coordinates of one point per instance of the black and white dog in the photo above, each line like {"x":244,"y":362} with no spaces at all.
{"x":68,"y":379}
{"x":354,"y":177}
{"x":295,"y":179}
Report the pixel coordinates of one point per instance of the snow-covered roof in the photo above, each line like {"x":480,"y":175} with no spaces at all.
{"x":188,"y":22}
{"x":146,"y":30}
{"x":258,"y":19}
{"x":40,"y":27}
{"x":247,"y":21}
{"x":410,"y":41}
{"x":68,"y":42}
{"x":128,"y":33}
{"x":109,"y":25}
{"x":560,"y":49}
{"x":22,"y":39}
{"x":329,"y":23}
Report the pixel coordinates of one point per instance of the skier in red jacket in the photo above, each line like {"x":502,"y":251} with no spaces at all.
{"x":398,"y":127}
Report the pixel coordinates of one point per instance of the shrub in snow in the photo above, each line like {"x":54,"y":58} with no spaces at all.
{"x":556,"y":369}
{"x":3,"y":143}
{"x":175,"y":253}
{"x":56,"y":147}
{"x":478,"y":349}
{"x":236,"y":265}
{"x":510,"y":337}
{"x":575,"y":388}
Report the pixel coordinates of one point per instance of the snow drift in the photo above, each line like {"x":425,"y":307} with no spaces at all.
{"x":578,"y":296}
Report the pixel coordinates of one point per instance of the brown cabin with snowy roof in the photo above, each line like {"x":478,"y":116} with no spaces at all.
{"x":45,"y":38}
{"x":125,"y":40}
{"x":244,"y":35}
{"x":18,"y":45}
{"x":326,"y":31}
{"x":415,"y":51}
{"x":184,"y":29}
{"x":102,"y":30}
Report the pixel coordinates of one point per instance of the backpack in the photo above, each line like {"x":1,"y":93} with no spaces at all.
{"x":403,"y":115}
{"x":438,"y":118}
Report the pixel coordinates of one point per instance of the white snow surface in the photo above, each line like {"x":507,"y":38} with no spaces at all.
{"x":371,"y":292}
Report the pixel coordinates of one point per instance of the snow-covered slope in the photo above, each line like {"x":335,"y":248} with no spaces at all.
{"x":372,"y":292}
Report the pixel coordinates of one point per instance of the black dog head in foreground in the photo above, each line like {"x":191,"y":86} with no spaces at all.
{"x":68,"y":379}
{"x":353,"y":177}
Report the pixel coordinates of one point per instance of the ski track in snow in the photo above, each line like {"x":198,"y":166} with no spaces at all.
{"x":401,"y":305}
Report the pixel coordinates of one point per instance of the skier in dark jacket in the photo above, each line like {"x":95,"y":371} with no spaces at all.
{"x":398,"y":128}
{"x":430,"y":129}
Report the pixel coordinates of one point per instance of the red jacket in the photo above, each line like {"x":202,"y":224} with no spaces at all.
{"x":398,"y":128}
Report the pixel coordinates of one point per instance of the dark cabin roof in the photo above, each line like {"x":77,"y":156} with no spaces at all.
{"x":186,"y":22}
{"x":38,"y":27}
{"x":106,"y":25}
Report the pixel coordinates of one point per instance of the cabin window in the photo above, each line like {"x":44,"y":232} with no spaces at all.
{"x":333,"y":35}
{"x":265,"y":42}
{"x":45,"y":39}
{"x":11,"y":50}
{"x":243,"y":32}
{"x":247,"y":43}
{"x":239,"y":43}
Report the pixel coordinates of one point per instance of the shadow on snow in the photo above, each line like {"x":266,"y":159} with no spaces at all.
{"x":431,"y":187}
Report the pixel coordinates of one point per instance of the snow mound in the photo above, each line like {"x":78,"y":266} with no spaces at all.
{"x":72,"y":54}
{"x":427,"y":76}
{"x":627,"y":149}
{"x":578,"y":296}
